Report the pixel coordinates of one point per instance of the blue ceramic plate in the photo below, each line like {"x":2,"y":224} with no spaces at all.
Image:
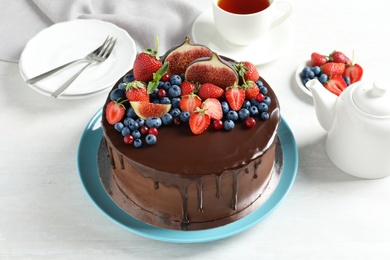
{"x":88,"y":170}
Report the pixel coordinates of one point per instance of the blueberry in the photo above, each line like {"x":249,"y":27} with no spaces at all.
{"x":127,"y":121}
{"x":140,"y":121}
{"x":154,"y":95}
{"x":133,"y":125}
{"x":305,"y":70}
{"x":166,"y":85}
{"x":119,"y":126}
{"x":130,"y":113}
{"x":167,"y":119}
{"x":228,"y":125}
{"x":310,"y":74}
{"x":175,"y":112}
{"x":253,"y":110}
{"x":347,"y":80}
{"x":263,"y":90}
{"x":175,"y":102}
{"x":232,"y":115}
{"x":175,"y":80}
{"x":117,"y":94}
{"x":316,"y":70}
{"x":155,"y":101}
{"x":128,"y":78}
{"x":259,"y":83}
{"x":165,"y":100}
{"x":153,"y":122}
{"x":267,"y":100}
{"x":160,"y":84}
{"x":264,"y":116}
{"x":136,"y":134}
{"x":262,"y":107}
{"x":254,"y":102}
{"x":243,"y":113}
{"x":122,"y":85}
{"x":125,"y":131}
{"x":174,"y":91}
{"x":225,"y":107}
{"x":137,"y":143}
{"x":246,"y":104}
{"x":151,"y":139}
{"x":185,"y":116}
{"x":323,"y":78}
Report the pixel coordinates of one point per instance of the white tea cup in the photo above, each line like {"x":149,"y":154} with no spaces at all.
{"x":244,"y":29}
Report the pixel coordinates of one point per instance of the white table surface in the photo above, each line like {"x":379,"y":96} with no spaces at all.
{"x":45,"y":212}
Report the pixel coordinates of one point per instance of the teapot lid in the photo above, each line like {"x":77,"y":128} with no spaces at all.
{"x":373,"y":99}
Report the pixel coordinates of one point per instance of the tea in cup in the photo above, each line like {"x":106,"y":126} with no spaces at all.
{"x":242,"y":22}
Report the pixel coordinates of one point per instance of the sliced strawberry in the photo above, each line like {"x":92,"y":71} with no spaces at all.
{"x":114,"y":112}
{"x":338,"y":56}
{"x":208,"y":90}
{"x":251,"y":90}
{"x":213,"y":108}
{"x":354,"y":72}
{"x":333,"y":68}
{"x":190,"y":103}
{"x":246,"y":71}
{"x":199,"y":121}
{"x":235,"y":96}
{"x":318,"y":59}
{"x":336,"y":84}
{"x":187,"y":88}
{"x":136,"y":91}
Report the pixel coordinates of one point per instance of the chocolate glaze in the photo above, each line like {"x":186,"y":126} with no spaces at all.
{"x":189,"y":181}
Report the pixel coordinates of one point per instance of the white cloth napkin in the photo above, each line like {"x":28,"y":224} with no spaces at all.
{"x":171,"y":20}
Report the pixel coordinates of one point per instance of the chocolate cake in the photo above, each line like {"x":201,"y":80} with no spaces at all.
{"x":188,"y":181}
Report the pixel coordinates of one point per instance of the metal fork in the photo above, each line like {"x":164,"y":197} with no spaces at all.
{"x":102,"y":55}
{"x":89,"y":57}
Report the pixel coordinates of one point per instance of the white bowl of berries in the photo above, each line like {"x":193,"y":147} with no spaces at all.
{"x":335,"y":71}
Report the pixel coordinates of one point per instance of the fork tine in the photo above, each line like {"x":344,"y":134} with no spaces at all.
{"x":109,"y":49}
{"x":99,"y":49}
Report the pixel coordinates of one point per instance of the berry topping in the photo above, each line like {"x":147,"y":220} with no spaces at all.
{"x":190,"y":103}
{"x":213,"y":108}
{"x":235,"y":96}
{"x":114,"y":112}
{"x":146,"y":63}
{"x":199,"y":121}
{"x":208,"y":90}
{"x":187,"y":88}
{"x":250,"y":122}
{"x":136,"y":91}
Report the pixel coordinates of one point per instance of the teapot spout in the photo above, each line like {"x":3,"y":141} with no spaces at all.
{"x":324,"y":103}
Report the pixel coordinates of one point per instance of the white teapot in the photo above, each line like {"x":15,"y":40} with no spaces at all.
{"x":358,"y":125}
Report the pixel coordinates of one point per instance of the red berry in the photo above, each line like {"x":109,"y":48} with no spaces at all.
{"x":260,"y":97}
{"x":128,"y":139}
{"x":176,"y":120}
{"x":333,"y":68}
{"x":250,"y":122}
{"x":318,"y":59}
{"x":218,"y":124}
{"x":165,"y":77}
{"x":144,"y":130}
{"x":153,"y":131}
{"x":161,"y":93}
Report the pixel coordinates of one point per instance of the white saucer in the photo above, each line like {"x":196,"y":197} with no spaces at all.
{"x":268,"y":48}
{"x":67,"y":41}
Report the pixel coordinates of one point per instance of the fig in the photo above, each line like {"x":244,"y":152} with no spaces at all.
{"x":145,"y":109}
{"x":181,"y":56}
{"x":214,"y":70}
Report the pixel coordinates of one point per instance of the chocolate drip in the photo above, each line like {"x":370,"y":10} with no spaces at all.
{"x":185,"y":222}
{"x":235,"y":189}
{"x":111,"y":157}
{"x":256,"y":164}
{"x":218,"y":179}
{"x":200,"y":194}
{"x":156,"y":185}
{"x":121,"y":162}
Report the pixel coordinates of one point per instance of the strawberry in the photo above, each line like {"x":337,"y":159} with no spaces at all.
{"x":199,"y":121}
{"x":208,"y":90}
{"x":247,"y":71}
{"x":190,"y":102}
{"x":354,"y":72}
{"x":187,"y":88}
{"x":115,"y":112}
{"x":136,"y":91}
{"x":318,"y":59}
{"x":251,"y":90}
{"x":333,"y":68}
{"x":235,"y":96}
{"x":335,"y":84}
{"x":146,"y":63}
{"x":213,"y":108}
{"x":339,"y":57}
